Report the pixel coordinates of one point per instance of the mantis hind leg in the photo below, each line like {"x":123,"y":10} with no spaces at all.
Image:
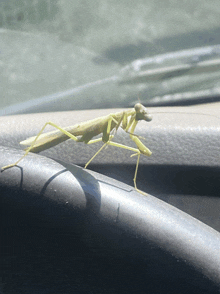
{"x":35,"y":140}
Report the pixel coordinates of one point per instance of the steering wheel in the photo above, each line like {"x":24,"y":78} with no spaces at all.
{"x":69,"y":229}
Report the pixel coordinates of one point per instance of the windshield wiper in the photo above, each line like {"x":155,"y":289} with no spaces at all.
{"x":190,"y":68}
{"x":169,"y":72}
{"x":190,"y":55}
{"x":140,"y":76}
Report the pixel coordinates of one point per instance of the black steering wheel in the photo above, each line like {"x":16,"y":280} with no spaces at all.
{"x":66,"y":229}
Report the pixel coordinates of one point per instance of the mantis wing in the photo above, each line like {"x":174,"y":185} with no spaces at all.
{"x":46,"y":140}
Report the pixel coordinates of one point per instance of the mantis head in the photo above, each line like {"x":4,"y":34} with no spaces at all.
{"x":141,"y":112}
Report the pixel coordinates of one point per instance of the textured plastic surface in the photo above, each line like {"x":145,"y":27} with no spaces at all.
{"x":115,"y":204}
{"x":89,"y":204}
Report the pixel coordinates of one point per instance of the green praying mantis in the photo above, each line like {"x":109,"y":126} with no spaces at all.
{"x":85,"y":131}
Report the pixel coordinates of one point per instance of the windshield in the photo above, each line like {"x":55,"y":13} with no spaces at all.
{"x":69,"y":55}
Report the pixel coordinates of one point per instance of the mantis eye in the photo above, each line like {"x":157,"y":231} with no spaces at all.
{"x":141,"y":112}
{"x":139,"y":107}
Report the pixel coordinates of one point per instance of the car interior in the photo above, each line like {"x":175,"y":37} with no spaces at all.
{"x":70,"y":229}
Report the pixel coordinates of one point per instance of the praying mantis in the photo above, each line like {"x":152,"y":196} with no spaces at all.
{"x":85,"y":131}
